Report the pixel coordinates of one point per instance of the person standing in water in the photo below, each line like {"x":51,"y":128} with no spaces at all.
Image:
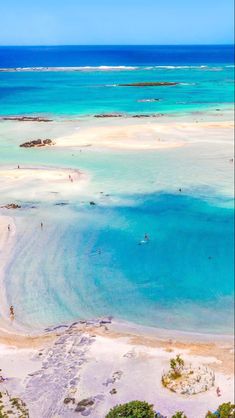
{"x":12,"y":313}
{"x":146,"y":237}
{"x":41,"y":225}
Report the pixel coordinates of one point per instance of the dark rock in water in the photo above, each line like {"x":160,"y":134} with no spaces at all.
{"x":37,"y":143}
{"x":148,"y":115}
{"x":27,"y":118}
{"x":11,"y":206}
{"x":92,"y":203}
{"x":47,"y":142}
{"x":108,"y":115}
{"x":61,"y":204}
{"x":150,"y":84}
{"x":106,"y":321}
{"x":148,"y":100}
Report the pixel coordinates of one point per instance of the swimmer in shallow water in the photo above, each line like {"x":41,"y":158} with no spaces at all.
{"x":146,"y":237}
{"x":145,"y":240}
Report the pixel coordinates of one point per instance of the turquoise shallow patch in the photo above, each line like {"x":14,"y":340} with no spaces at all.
{"x":181,"y":279}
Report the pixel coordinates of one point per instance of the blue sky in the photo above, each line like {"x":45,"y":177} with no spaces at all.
{"x":55,"y":22}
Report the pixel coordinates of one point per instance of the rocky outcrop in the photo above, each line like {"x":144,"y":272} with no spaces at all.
{"x":191,"y":381}
{"x":27,"y":118}
{"x":109,"y":115}
{"x":11,"y":206}
{"x":150,"y":84}
{"x":137,"y":115}
{"x":84,"y":404}
{"x":148,"y":115}
{"x":36,"y":143}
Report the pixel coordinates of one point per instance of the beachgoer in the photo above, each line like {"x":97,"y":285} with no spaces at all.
{"x":12,"y":312}
{"x":180,"y":190}
{"x":218,"y":391}
{"x":41,"y":225}
{"x":146,"y":237}
{"x":9,"y":227}
{"x":18,"y":166}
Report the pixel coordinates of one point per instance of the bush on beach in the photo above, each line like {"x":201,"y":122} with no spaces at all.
{"x":139,"y":409}
{"x":179,"y":414}
{"x":225,"y":410}
{"x":134,"y":409}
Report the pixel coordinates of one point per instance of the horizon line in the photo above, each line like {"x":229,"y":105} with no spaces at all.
{"x":104,"y":45}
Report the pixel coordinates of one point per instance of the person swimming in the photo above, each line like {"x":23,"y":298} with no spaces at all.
{"x":145,"y":240}
{"x":146,"y":237}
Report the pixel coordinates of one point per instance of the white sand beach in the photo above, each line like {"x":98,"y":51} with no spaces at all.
{"x":94,"y":361}
{"x":100,"y":360}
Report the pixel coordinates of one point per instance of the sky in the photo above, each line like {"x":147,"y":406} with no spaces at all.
{"x":75,"y":22}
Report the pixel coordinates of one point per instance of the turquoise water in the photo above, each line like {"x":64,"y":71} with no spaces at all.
{"x":87,"y":261}
{"x":82,"y":93}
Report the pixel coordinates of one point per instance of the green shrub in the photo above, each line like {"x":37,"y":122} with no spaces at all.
{"x":179,"y":414}
{"x":134,"y":409}
{"x":176,"y":365}
{"x":226,"y":410}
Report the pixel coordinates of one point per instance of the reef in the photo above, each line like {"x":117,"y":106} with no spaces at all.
{"x":149,"y":84}
{"x":37,"y":143}
{"x":27,"y":118}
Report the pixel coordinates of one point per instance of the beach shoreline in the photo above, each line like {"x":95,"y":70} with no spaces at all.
{"x":140,"y":353}
{"x":119,"y":355}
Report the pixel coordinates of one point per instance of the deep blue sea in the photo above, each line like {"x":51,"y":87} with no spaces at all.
{"x":204,"y":73}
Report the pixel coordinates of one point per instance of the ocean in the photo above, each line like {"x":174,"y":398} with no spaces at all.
{"x":93,"y":260}
{"x":204,"y":75}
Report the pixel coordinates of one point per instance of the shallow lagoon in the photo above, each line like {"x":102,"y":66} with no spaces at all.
{"x":88,"y":262}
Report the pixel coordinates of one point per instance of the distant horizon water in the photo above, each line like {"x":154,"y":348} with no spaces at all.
{"x":203,"y":75}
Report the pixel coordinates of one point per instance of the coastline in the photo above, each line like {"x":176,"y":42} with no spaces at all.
{"x":141,"y":353}
{"x":120,"y":359}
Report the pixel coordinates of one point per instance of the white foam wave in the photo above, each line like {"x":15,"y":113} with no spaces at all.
{"x":64,"y":69}
{"x":114,"y":68}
